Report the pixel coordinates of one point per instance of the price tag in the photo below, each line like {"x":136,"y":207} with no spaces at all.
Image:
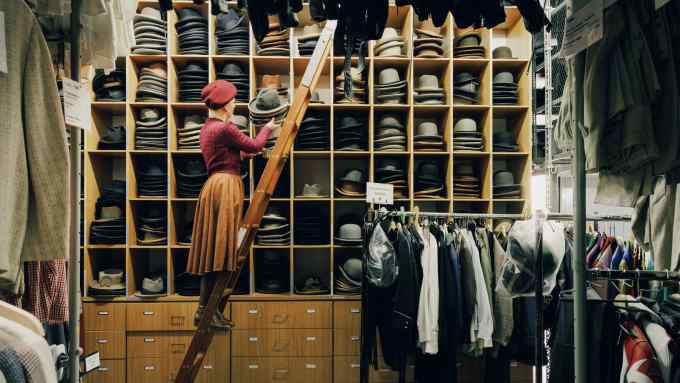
{"x":382,"y":194}
{"x":583,"y":28}
{"x":3,"y":44}
{"x":660,"y":3}
{"x":92,"y":362}
{"x":76,"y":104}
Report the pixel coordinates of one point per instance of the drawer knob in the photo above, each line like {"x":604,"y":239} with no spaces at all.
{"x":355,"y":311}
{"x":354,"y":365}
{"x":355,"y":338}
{"x":149,"y":340}
{"x":102,"y":341}
{"x":253,"y":366}
{"x":311,"y":311}
{"x":148,"y":313}
{"x":311,"y":339}
{"x":310,"y":366}
{"x":208,"y":367}
{"x":103,"y":313}
{"x":252,"y":339}
{"x":149,"y":368}
{"x":103,"y":369}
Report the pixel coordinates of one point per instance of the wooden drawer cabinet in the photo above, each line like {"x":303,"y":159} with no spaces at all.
{"x":312,"y":370}
{"x":109,"y":344}
{"x":281,"y":370}
{"x":146,"y":370}
{"x":346,"y":342}
{"x":346,"y":369}
{"x":270,"y":315}
{"x":146,"y":345}
{"x":347,"y":315}
{"x":146,"y":316}
{"x":110,"y":371}
{"x":215,"y":366}
{"x":180,"y":316}
{"x":281,"y":343}
{"x":104,"y":316}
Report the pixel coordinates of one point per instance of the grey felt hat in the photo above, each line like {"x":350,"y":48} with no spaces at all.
{"x":465,"y":125}
{"x":267,"y":103}
{"x":150,"y":14}
{"x":502,"y":52}
{"x":353,"y":175}
{"x":428,"y":82}
{"x":504,"y":179}
{"x":427,"y":129}
{"x":473,"y":38}
{"x":503,"y":78}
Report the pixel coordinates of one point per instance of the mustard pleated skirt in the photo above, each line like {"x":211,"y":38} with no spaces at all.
{"x":216,"y":223}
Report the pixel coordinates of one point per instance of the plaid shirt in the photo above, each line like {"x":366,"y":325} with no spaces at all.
{"x":46,"y":294}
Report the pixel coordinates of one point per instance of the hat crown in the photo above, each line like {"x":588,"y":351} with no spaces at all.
{"x":229,"y":20}
{"x":428,"y":128}
{"x":503,"y":177}
{"x":268,"y":99}
{"x":232,"y":69}
{"x":313,"y":189}
{"x":429,"y":169}
{"x":428,"y":81}
{"x":503,"y":52}
{"x":353,"y":269}
{"x":109,"y":212}
{"x":194,"y":66}
{"x":152,"y":12}
{"x":149,"y":114}
{"x":469,"y":39}
{"x":389,"y":130}
{"x":354,"y":175}
{"x":465,"y":125}
{"x":193,"y":119}
{"x":349,"y":121}
{"x":464,"y":77}
{"x":504,"y":78}
{"x":153,"y":284}
{"x":390,"y":164}
{"x":390,"y":121}
{"x":388,"y":76}
{"x":110,"y":277}
{"x":504,"y":137}
{"x":350,"y":231}
{"x":465,"y":169}
{"x":428,"y":26}
{"x":185,"y":13}
{"x":388,"y":33}
{"x":239,"y":120}
{"x":312,"y":29}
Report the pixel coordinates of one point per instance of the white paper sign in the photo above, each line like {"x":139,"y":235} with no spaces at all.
{"x":92,"y":362}
{"x":584,"y":28}
{"x":661,"y":3}
{"x":382,"y":194}
{"x":76,"y":104}
{"x":3,"y":44}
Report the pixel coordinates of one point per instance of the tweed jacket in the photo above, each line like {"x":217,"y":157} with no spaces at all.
{"x":34,"y":168}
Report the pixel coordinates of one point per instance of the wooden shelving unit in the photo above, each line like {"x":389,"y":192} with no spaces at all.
{"x":323,"y":167}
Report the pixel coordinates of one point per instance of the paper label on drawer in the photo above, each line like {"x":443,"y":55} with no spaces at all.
{"x":102,"y":341}
{"x":253,"y":366}
{"x":149,"y":340}
{"x":252,"y":311}
{"x":102,"y":313}
{"x":149,"y":368}
{"x":311,"y":311}
{"x":208,"y":367}
{"x":355,"y":338}
{"x":252,"y":339}
{"x":309,"y":365}
{"x":103,"y":369}
{"x":148,"y":313}
{"x":355,"y":311}
{"x":311,"y":338}
{"x":355,"y":365}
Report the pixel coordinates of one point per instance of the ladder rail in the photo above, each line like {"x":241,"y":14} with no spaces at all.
{"x":278,"y":157}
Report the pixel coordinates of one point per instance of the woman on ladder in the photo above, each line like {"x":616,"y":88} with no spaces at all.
{"x":220,"y":205}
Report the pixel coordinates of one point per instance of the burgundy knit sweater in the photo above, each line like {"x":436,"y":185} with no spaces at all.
{"x":222,"y":144}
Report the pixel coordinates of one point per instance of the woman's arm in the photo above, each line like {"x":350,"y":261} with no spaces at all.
{"x":237,"y":140}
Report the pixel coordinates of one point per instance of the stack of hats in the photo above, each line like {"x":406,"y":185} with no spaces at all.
{"x":273,"y":81}
{"x":312,"y":191}
{"x":263,"y":108}
{"x":504,"y":184}
{"x":114,"y":138}
{"x":151,"y":130}
{"x":233,"y":73}
{"x":231,"y":32}
{"x":314,"y":132}
{"x":189,"y":285}
{"x":390,"y":89}
{"x":348,"y":276}
{"x":192,"y":78}
{"x":466,"y":88}
{"x":307,"y":41}
{"x":391,"y":44}
{"x":152,"y":228}
{"x":153,"y":286}
{"x":359,"y":92}
{"x":191,"y":176}
{"x":108,"y":226}
{"x":466,"y":182}
{"x":350,"y":133}
{"x":241,"y":123}
{"x":189,"y":135}
{"x":469,"y":45}
{"x":391,"y":171}
{"x":272,"y":273}
{"x":466,"y":136}
{"x":390,"y":135}
{"x":152,"y":178}
{"x":502,"y":52}
{"x":428,"y":138}
{"x":109,"y":87}
{"x":429,"y":41}
{"x":111,"y":283}
{"x":153,"y":83}
{"x":274,"y":229}
{"x":311,"y":226}
{"x":504,"y":89}
{"x":311,"y":285}
{"x":428,"y":179}
{"x":150,"y":33}
{"x":352,"y":184}
{"x":192,"y":32}
{"x":275,"y":43}
{"x":428,"y":91}
{"x":504,"y":141}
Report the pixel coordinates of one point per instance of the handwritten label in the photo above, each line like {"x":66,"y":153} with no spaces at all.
{"x":3,"y":44}
{"x":76,"y":104}
{"x":583,"y":29}
{"x":382,"y":194}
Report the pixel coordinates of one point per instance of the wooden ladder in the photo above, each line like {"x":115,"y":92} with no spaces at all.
{"x":226,"y":282}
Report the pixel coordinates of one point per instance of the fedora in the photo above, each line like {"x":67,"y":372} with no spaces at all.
{"x":152,"y":286}
{"x":391,"y":121}
{"x":503,"y":78}
{"x":150,"y":14}
{"x":427,"y":130}
{"x":428,"y":82}
{"x":311,"y":285}
{"x":502,"y":52}
{"x":353,"y":175}
{"x":228,"y":21}
{"x":472,"y":38}
{"x":504,"y":179}
{"x":391,"y":49}
{"x":428,"y":28}
{"x":109,"y":279}
{"x":313,"y":190}
{"x":310,"y":32}
{"x":267,"y":103}
{"x":186,"y":15}
{"x":389,"y":35}
{"x":465,"y":125}
{"x":389,"y":76}
{"x":349,"y":233}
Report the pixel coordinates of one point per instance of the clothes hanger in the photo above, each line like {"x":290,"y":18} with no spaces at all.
{"x":21,"y":317}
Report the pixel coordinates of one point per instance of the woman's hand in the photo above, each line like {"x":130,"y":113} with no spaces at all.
{"x":270,"y":125}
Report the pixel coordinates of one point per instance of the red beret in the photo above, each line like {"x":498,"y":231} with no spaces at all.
{"x":218,"y":92}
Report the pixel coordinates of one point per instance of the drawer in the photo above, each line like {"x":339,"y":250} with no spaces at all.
{"x":346,"y":342}
{"x":146,"y":370}
{"x":146,"y":345}
{"x":215,"y":366}
{"x":146,"y":316}
{"x":104,"y":316}
{"x":110,"y":371}
{"x":270,"y":315}
{"x":261,"y":370}
{"x":347,"y":315}
{"x":317,"y":370}
{"x":180,"y":316}
{"x":281,"y":343}
{"x":346,"y":369}
{"x":110,"y":344}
